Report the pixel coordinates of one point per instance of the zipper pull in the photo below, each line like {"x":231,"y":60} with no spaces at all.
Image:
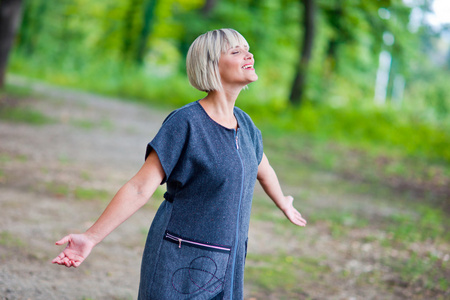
{"x":179,"y":243}
{"x":237,"y":144}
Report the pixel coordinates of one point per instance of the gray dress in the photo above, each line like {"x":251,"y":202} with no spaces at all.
{"x":197,"y":243}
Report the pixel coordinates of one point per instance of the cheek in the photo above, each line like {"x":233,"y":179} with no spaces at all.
{"x":224,"y":65}
{"x":226,"y":69}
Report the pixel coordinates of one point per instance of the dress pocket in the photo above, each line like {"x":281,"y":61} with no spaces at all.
{"x":190,"y":269}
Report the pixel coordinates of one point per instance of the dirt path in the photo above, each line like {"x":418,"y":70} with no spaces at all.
{"x":57,"y":178}
{"x":95,"y":144}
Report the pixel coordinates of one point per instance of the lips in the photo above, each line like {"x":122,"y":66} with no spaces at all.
{"x":248,"y":67}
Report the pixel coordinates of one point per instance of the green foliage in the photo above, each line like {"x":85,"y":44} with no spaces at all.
{"x":95,"y":46}
{"x":368,"y":128}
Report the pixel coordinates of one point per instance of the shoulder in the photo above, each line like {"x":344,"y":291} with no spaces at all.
{"x":182,"y":115}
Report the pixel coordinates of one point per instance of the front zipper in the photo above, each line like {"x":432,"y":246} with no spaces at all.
{"x":181,"y":241}
{"x":236,"y":240}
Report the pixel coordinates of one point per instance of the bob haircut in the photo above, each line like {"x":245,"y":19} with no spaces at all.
{"x":202,"y":61}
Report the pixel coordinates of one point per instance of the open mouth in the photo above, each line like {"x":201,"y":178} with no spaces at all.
{"x":247,"y":67}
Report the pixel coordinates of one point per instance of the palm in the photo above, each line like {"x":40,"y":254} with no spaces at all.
{"x":293,"y":214}
{"x":76,"y":251}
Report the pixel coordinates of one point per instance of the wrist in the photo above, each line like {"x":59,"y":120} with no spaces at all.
{"x":92,"y":237}
{"x":283,"y":203}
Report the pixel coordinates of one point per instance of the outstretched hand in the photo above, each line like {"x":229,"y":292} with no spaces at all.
{"x":78,"y":248}
{"x":292,"y":213}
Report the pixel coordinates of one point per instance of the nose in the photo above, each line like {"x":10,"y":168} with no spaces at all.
{"x":248,"y":55}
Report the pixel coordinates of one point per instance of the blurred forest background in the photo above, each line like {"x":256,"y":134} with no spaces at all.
{"x":354,"y":89}
{"x":373,"y":73}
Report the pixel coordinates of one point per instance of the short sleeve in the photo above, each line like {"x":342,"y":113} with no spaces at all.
{"x":169,"y":142}
{"x":259,"y":148}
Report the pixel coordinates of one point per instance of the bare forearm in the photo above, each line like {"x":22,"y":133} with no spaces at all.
{"x":269,"y":182}
{"x":271,"y":186}
{"x":124,"y":204}
{"x":132,"y":196}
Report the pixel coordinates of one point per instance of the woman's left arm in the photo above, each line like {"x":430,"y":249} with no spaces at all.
{"x":269,"y":182}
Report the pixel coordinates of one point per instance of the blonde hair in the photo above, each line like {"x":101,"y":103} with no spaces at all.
{"x":202,"y":61}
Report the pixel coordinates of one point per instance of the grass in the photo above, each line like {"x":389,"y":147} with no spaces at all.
{"x":426,"y":223}
{"x":373,"y":168}
{"x":63,"y":190}
{"x":387,"y":129}
{"x":84,"y":124}
{"x":13,"y":110}
{"x":7,"y":239}
{"x":91,"y":194}
{"x":400,"y":166}
{"x":395,"y":220}
{"x":88,"y":125}
{"x":424,"y":273}
{"x":58,"y":190}
{"x":281,"y":271}
{"x":24,"y":115}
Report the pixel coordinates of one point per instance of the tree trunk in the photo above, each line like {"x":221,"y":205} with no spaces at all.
{"x":208,"y":7}
{"x":33,"y":17}
{"x":9,"y":22}
{"x":308,"y":39}
{"x":132,"y":10}
{"x":334,"y":17}
{"x":149,"y":18}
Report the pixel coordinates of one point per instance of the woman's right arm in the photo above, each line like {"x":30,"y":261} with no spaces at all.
{"x":129,"y":199}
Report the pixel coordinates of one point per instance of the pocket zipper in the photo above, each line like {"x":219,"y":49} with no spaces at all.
{"x":175,"y":239}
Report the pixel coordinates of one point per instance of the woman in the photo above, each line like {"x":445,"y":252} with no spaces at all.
{"x":209,"y":153}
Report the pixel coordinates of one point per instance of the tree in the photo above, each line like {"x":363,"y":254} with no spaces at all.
{"x":33,"y":19}
{"x":138,"y":22}
{"x":335,"y":17}
{"x":133,"y":8}
{"x":308,"y":39}
{"x":149,"y":19}
{"x":9,"y":22}
{"x":208,"y":7}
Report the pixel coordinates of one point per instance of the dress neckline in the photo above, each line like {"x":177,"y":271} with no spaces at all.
{"x":218,"y":124}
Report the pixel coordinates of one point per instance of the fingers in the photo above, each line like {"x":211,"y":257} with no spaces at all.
{"x":57,"y":259}
{"x":300,"y":218}
{"x":295,"y":216}
{"x":301,"y":222}
{"x":66,"y":261}
{"x":297,"y":219}
{"x":64,"y":240}
{"x":76,"y":264}
{"x":63,"y":258}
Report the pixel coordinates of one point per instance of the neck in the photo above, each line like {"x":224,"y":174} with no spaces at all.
{"x":220,"y":107}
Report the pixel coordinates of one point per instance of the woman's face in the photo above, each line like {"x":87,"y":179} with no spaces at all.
{"x":236,"y":67}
